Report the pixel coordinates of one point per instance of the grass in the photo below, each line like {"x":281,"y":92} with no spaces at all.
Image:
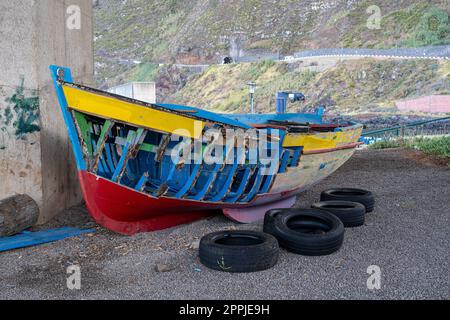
{"x":419,"y":24}
{"x":439,"y":146}
{"x":432,"y":29}
{"x":224,"y":87}
{"x":386,"y":144}
{"x":145,"y":72}
{"x":436,"y":146}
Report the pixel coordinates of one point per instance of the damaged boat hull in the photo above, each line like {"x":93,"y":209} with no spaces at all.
{"x":131,"y":181}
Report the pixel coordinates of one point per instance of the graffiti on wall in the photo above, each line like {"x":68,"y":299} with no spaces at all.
{"x":21,"y":114}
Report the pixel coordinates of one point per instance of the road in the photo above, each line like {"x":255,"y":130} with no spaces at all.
{"x":430,"y":52}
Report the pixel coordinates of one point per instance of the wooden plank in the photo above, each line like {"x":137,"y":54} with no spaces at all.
{"x":85,"y":131}
{"x":102,"y":165}
{"x":295,"y":157}
{"x":348,"y":146}
{"x":65,"y":74}
{"x":17,"y":213}
{"x":111,"y":158}
{"x":241,"y":187}
{"x":284,"y":160}
{"x":141,"y":183}
{"x":144,"y":146}
{"x":200,"y":194}
{"x":27,"y":239}
{"x":195,"y":168}
{"x":228,"y":182}
{"x":323,"y":140}
{"x":163,"y":144}
{"x":106,"y":128}
{"x":124,"y":157}
{"x":255,"y":188}
{"x":218,"y":168}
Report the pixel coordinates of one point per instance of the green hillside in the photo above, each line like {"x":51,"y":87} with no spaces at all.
{"x":201,"y":31}
{"x":352,"y":86}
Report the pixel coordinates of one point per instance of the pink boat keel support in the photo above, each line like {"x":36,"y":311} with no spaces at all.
{"x":256,"y":213}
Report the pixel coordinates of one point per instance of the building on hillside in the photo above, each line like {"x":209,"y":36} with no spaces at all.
{"x":144,"y":91}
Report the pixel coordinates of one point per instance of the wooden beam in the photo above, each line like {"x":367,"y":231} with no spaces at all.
{"x":134,"y":139}
{"x":17,"y":213}
{"x":101,"y":143}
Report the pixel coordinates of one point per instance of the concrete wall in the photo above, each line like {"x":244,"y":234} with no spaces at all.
{"x":433,"y":104}
{"x":35,"y":155}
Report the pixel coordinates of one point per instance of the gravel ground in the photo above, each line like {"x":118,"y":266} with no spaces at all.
{"x":407,"y":236}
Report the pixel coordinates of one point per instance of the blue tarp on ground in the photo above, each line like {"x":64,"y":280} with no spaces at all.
{"x":28,"y":239}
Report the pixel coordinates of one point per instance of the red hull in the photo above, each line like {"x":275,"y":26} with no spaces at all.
{"x":127,"y":211}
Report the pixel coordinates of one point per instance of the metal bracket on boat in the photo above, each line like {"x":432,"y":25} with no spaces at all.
{"x":60,"y":75}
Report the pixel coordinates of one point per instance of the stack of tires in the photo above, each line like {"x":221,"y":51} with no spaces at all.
{"x":313,"y":232}
{"x":361,"y":196}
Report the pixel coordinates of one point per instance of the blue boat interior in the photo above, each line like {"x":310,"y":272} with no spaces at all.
{"x":247,"y":121}
{"x":271,"y":118}
{"x":142,"y":159}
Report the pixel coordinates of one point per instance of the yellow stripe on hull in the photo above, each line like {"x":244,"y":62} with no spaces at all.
{"x":322,"y":140}
{"x":110,"y":108}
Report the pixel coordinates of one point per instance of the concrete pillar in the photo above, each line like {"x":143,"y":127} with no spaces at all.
{"x":35,"y":154}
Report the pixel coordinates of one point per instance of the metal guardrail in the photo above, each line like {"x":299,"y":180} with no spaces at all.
{"x":439,"y":126}
{"x":429,"y":52}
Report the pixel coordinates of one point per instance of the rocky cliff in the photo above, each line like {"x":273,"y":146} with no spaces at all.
{"x":204,"y":31}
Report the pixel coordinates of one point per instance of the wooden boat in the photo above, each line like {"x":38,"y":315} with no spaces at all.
{"x":131,"y":181}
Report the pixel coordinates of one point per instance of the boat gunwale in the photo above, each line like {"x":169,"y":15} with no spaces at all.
{"x":326,"y":150}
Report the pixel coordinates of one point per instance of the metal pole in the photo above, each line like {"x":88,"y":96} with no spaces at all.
{"x":251,"y":87}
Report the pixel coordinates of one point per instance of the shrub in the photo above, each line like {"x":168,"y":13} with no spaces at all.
{"x":439,"y":146}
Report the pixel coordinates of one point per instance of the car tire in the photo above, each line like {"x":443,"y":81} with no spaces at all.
{"x":362,"y":196}
{"x":269,"y":221}
{"x":352,"y":214}
{"x":238,"y":251}
{"x":311,"y":232}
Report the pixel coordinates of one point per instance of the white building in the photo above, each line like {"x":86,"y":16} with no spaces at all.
{"x":144,"y":91}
